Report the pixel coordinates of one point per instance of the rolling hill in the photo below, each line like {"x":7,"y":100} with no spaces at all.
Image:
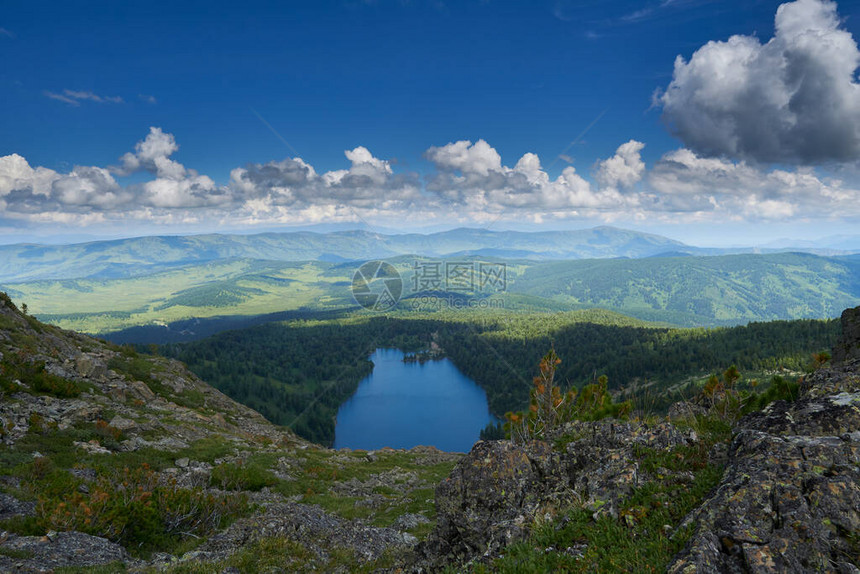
{"x":145,"y":255}
{"x":157,"y":281}
{"x":690,"y":291}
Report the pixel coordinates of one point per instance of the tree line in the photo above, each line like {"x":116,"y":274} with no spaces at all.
{"x":298,"y":373}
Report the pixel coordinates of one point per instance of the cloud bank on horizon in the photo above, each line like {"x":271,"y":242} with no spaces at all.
{"x":764,"y":127}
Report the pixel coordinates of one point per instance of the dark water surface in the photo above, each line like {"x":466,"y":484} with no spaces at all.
{"x":402,"y":405}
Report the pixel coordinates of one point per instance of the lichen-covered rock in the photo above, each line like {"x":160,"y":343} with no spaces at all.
{"x":11,"y":506}
{"x":495,"y":494}
{"x":602,"y":465}
{"x":492,"y":496}
{"x":790,"y":497}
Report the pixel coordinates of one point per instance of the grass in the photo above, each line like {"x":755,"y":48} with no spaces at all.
{"x":110,"y":568}
{"x":37,"y":380}
{"x":313,"y":477}
{"x":242,"y":476}
{"x":130,"y":506}
{"x":285,"y":555}
{"x":208,"y":449}
{"x":318,"y":471}
{"x":15,"y":554}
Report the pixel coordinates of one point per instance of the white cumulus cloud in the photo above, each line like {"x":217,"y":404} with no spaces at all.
{"x":472,"y":175}
{"x":464,"y":156}
{"x":624,"y":169}
{"x":17,"y":175}
{"x":793,"y":99}
{"x":470,"y":185}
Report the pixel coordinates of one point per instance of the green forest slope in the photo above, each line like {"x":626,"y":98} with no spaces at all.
{"x":298,"y":373}
{"x":683,"y":291}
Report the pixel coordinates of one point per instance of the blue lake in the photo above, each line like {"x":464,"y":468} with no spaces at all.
{"x":402,"y":405}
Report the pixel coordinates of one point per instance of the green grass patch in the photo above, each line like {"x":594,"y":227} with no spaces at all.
{"x":15,"y":554}
{"x":129,"y":506}
{"x":643,"y":538}
{"x":208,"y":449}
{"x":319,"y":471}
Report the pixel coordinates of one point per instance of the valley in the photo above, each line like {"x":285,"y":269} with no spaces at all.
{"x":285,"y":336}
{"x":105,"y":287}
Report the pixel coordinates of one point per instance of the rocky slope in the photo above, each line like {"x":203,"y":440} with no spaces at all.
{"x":130,"y":462}
{"x":783,"y":495}
{"x":790,"y":498}
{"x":108,"y":457}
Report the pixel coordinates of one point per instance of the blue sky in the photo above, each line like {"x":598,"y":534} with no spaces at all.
{"x":132,"y":118}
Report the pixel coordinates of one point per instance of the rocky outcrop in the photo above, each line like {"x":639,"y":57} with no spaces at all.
{"x":171,"y":402}
{"x":317,"y":530}
{"x":848,"y":347}
{"x":497,"y":492}
{"x":57,"y":550}
{"x":492,"y":496}
{"x":790,"y":497}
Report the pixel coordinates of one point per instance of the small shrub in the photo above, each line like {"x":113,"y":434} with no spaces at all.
{"x":134,"y":367}
{"x":780,"y":389}
{"x":131,"y":507}
{"x":549,"y":409}
{"x":723,"y":396}
{"x":108,"y":436}
{"x":36,"y":378}
{"x":242,"y":476}
{"x":41,"y":467}
{"x":7,"y":385}
{"x":36,"y":423}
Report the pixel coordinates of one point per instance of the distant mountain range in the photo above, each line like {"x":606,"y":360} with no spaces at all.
{"x":144,"y":255}
{"x":139,"y":256}
{"x":105,"y":286}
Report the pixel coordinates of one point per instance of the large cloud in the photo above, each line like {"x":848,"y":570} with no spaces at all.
{"x":16,"y":174}
{"x":794,"y":99}
{"x":478,"y":158}
{"x":472,"y":175}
